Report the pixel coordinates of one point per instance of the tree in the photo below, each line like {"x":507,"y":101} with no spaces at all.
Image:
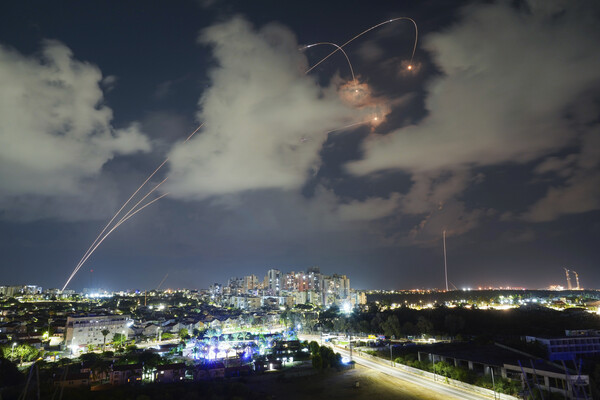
{"x":90,"y":357}
{"x":313,"y":347}
{"x":408,"y":328}
{"x":104,"y":333}
{"x":183,"y":333}
{"x":391,"y":326}
{"x":26,"y":352}
{"x":100,"y":369}
{"x":454,"y":323}
{"x":424,"y":326}
{"x":317,"y":361}
{"x":119,"y":339}
{"x":149,"y":360}
{"x":131,"y":347}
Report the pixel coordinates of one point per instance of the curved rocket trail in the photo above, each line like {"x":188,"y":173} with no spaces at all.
{"x":368,"y":30}
{"x":132,"y":211}
{"x":339,"y":48}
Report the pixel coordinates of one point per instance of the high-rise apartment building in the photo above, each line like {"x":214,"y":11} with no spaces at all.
{"x":250,"y":283}
{"x":274,"y":281}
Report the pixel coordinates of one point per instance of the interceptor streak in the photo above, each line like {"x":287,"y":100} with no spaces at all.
{"x":132,"y":211}
{"x":370,"y":29}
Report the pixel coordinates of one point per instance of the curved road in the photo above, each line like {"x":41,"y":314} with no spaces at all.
{"x":439,"y":387}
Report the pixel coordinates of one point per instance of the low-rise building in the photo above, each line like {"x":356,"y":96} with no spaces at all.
{"x":129,"y":373}
{"x":169,"y":373}
{"x":569,"y":347}
{"x":212,"y":370}
{"x":74,"y":380}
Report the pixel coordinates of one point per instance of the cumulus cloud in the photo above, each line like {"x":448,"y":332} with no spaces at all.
{"x":579,"y":189}
{"x":55,"y":131}
{"x":265,"y":120}
{"x":578,"y":194}
{"x":508,"y":78}
{"x":370,"y":209}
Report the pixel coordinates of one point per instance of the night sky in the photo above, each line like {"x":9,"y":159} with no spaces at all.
{"x":493,"y":135}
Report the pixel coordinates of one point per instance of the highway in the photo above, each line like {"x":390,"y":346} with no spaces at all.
{"x":450,"y":392}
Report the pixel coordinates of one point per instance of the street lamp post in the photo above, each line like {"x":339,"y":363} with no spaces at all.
{"x":12,"y":352}
{"x":391,"y":356}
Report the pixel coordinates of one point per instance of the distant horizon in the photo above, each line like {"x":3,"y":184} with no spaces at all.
{"x":424,"y":289}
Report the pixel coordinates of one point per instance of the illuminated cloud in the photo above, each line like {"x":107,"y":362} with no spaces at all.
{"x":511,"y":83}
{"x":265,"y":120}
{"x":55,"y":131}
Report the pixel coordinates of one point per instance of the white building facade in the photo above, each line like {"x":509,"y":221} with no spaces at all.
{"x":87,"y":330}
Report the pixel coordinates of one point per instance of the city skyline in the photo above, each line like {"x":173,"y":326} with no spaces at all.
{"x":489,"y":133}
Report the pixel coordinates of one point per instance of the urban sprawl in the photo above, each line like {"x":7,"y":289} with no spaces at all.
{"x":301,"y":323}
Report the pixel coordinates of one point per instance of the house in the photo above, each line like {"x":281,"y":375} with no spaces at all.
{"x":122,"y":374}
{"x":171,"y":327}
{"x":96,"y":372}
{"x":215,"y":324}
{"x":286,"y":348}
{"x":209,"y":371}
{"x":151,"y":330}
{"x":169,"y":373}
{"x":267,"y":365}
{"x":74,"y":380}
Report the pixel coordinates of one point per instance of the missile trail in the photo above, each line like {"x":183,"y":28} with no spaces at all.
{"x":308,"y":46}
{"x":348,"y":126}
{"x":119,"y":223}
{"x":112,"y":229}
{"x":132,"y":211}
{"x":93,"y":246}
{"x":368,"y":30}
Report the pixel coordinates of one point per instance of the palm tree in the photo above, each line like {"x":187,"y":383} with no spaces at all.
{"x":104,"y":333}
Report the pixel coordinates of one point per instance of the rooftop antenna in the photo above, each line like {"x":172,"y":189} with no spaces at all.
{"x":445,"y":261}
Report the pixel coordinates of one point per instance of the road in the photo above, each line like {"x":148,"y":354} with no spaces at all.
{"x":438,"y":387}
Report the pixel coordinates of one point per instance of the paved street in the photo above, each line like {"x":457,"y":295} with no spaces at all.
{"x":438,"y":387}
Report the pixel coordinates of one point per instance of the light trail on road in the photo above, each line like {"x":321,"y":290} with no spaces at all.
{"x":439,"y":387}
